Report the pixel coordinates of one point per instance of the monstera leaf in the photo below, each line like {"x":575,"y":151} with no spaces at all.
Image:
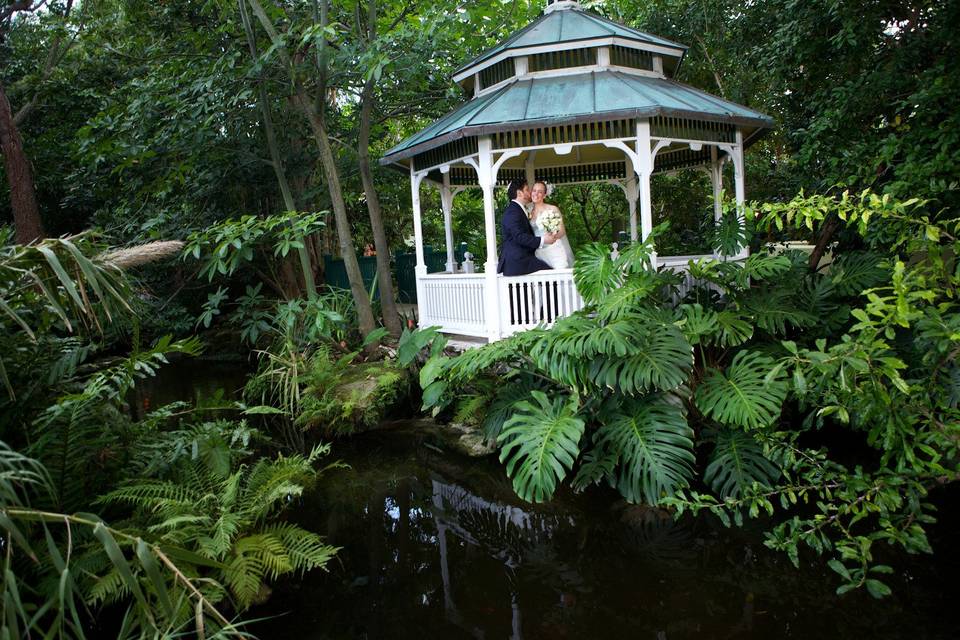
{"x":775,"y":310}
{"x":660,"y":359}
{"x":502,"y":408}
{"x":655,"y":448}
{"x":705,"y":326}
{"x":853,"y":272}
{"x":749,"y":393}
{"x":539,"y":444}
{"x":737,"y":461}
{"x":596,"y":273}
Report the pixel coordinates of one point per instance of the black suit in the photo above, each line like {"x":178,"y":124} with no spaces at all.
{"x":519,"y":244}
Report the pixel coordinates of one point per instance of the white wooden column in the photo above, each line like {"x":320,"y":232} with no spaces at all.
{"x":630,"y":190}
{"x":645,"y":170}
{"x":487,"y":178}
{"x":421,"y":269}
{"x":740,"y":187}
{"x":446,"y":202}
{"x":716,"y":180}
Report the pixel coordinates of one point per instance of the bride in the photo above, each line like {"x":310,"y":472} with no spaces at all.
{"x":558,"y":255}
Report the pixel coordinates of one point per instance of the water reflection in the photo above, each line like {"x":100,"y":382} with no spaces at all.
{"x":435,"y":548}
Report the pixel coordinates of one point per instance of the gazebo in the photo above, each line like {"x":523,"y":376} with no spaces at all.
{"x":572,"y":98}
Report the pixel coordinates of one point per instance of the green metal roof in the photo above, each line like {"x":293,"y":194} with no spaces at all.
{"x":567,"y":26}
{"x":591,"y":96}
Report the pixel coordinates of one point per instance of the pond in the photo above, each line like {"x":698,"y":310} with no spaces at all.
{"x":437,"y":546}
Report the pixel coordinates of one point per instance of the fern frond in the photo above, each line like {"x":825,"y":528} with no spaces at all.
{"x":149,"y":494}
{"x":750,"y":393}
{"x":305,"y":549}
{"x":243,"y":576}
{"x":539,"y":444}
{"x":655,"y":447}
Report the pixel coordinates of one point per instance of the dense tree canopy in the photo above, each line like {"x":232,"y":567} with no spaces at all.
{"x":244,"y":136}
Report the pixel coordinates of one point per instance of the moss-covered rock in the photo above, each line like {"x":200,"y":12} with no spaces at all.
{"x":345,"y":398}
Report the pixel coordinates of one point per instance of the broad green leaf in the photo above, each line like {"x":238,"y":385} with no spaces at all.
{"x":741,"y":395}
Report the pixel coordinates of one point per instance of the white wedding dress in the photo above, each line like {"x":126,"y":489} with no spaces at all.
{"x":558,"y":255}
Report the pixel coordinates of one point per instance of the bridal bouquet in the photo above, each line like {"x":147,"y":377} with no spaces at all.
{"x":550,"y":220}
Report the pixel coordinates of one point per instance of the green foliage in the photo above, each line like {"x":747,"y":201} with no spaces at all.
{"x":225,"y":518}
{"x":539,"y":444}
{"x":413,"y":342}
{"x":750,"y":393}
{"x":654,"y":446}
{"x":867,"y":345}
{"x":227,"y":246}
{"x":736,"y":463}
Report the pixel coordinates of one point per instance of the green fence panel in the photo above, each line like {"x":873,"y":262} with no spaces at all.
{"x":405,"y":269}
{"x":336,"y":272}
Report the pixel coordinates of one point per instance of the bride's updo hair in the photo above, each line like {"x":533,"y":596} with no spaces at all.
{"x":547,"y":187}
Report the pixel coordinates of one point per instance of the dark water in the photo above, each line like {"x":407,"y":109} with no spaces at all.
{"x":438,"y":547}
{"x":199,"y":382}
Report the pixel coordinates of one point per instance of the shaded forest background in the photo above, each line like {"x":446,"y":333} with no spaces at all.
{"x":141,"y":118}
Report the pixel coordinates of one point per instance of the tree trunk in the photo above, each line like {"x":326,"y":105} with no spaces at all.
{"x":23,"y":198}
{"x":275,"y":159}
{"x":827,"y":229}
{"x":391,"y":318}
{"x":347,"y":250}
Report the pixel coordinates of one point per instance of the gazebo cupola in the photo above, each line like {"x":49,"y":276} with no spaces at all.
{"x":571,"y":98}
{"x":568,"y":40}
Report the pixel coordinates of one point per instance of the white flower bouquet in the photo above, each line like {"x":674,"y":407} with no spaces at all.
{"x":550,"y":220}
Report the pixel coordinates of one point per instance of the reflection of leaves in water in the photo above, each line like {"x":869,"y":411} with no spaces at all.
{"x":524,"y":541}
{"x":654,"y":535}
{"x":495,"y":533}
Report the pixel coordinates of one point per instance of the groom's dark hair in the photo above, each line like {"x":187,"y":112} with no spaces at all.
{"x":515,"y":185}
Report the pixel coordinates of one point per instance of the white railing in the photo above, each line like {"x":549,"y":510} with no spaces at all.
{"x":536,"y":299}
{"x":680,"y":265}
{"x":454,"y":302}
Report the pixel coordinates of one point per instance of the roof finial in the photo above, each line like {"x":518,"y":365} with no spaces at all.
{"x":558,"y":5}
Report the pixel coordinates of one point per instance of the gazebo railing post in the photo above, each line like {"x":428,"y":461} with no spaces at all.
{"x":446,"y":201}
{"x":421,"y":268}
{"x":487,"y":178}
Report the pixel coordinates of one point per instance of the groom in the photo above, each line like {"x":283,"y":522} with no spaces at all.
{"x":519,"y":244}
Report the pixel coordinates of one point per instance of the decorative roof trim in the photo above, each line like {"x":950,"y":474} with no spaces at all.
{"x":466,"y":71}
{"x":480,"y":130}
{"x":592,"y":69}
